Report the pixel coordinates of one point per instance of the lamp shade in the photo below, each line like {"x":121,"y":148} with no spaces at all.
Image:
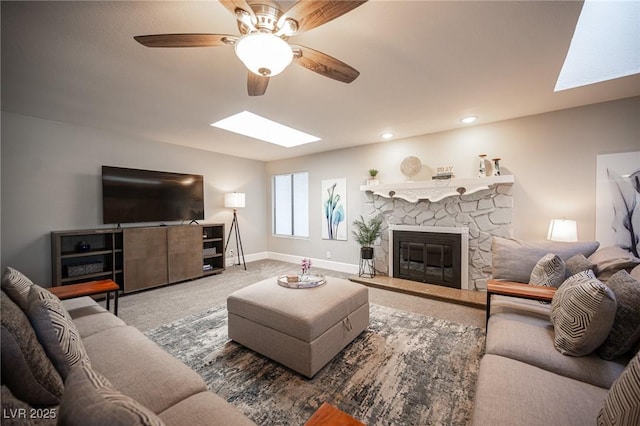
{"x":234,"y":200}
{"x":264,"y":54}
{"x":563,"y":230}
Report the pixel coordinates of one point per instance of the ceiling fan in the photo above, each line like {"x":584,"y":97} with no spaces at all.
{"x":262,"y":45}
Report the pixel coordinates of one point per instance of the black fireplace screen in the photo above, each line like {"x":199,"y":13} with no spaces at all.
{"x":428,"y":257}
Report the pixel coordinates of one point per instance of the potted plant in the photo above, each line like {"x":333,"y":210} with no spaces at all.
{"x":373,"y":180}
{"x":365,"y":233}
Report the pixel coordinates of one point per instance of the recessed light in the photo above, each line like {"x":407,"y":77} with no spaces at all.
{"x":468,"y":120}
{"x":386,"y":135}
{"x":249,"y":124}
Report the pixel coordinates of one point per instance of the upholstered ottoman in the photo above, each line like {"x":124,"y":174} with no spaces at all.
{"x":302,"y":329}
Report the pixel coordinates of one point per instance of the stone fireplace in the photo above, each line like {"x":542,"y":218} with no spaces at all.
{"x":476,"y":209}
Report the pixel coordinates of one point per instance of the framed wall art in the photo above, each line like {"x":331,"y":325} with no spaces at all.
{"x":334,"y":209}
{"x":618,"y":201}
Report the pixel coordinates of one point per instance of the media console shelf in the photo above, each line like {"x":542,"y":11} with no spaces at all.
{"x":137,"y":258}
{"x":87,"y":255}
{"x":212,"y":249}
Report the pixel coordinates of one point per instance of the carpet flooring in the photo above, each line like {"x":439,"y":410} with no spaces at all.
{"x":150,"y":309}
{"x":405,"y":369}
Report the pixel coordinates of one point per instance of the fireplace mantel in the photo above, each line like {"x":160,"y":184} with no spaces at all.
{"x":436,"y":190}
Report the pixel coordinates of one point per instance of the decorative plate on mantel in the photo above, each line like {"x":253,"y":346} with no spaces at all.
{"x":410,"y":167}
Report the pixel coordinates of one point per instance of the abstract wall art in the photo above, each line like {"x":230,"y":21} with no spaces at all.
{"x":334,"y":209}
{"x":618,"y":201}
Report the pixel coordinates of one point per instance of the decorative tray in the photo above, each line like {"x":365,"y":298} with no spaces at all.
{"x":303,"y":281}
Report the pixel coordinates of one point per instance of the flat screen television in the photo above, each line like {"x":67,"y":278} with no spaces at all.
{"x":133,"y":195}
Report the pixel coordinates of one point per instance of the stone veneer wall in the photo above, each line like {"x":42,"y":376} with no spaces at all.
{"x":486,"y":213}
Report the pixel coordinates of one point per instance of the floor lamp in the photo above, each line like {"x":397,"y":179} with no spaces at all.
{"x":235,"y":201}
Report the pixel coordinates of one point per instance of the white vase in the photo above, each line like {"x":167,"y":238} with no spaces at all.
{"x":482,"y":170}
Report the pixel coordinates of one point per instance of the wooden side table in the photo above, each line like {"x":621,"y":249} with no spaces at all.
{"x":89,"y":289}
{"x":328,"y":415}
{"x":523,"y":291}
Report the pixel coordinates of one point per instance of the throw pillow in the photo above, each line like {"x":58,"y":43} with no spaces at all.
{"x":635,"y":273}
{"x":25,"y":366}
{"x":89,"y":395}
{"x":548,"y":272}
{"x":513,"y":259}
{"x":622,"y":406}
{"x":609,"y":260}
{"x":578,"y":263}
{"x":55,"y":330}
{"x":582,"y":313}
{"x":17,"y":286}
{"x":626,"y":326}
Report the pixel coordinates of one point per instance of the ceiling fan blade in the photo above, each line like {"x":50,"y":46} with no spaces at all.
{"x":256,"y":84}
{"x":324,"y":64}
{"x":232,"y":5}
{"x":310,"y":14}
{"x":186,"y":40}
{"x":242,"y":11}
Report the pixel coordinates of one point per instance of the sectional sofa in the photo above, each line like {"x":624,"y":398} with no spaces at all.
{"x":74,"y":363}
{"x":549,"y":363}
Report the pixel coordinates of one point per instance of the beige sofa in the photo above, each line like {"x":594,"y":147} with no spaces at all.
{"x":524,"y":378}
{"x":120,"y":377}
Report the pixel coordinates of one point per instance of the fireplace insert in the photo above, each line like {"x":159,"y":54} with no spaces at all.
{"x":433,"y":258}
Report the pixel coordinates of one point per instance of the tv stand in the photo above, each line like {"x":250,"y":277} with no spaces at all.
{"x":138,"y":258}
{"x":86,"y":255}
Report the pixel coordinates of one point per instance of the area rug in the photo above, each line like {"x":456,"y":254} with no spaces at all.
{"x":405,"y":369}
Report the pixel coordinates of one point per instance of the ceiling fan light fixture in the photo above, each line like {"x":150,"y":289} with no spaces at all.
{"x":264,"y":54}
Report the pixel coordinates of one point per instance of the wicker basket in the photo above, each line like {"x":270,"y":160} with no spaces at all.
{"x":84,"y":269}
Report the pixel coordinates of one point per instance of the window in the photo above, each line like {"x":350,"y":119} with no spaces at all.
{"x":291,"y":204}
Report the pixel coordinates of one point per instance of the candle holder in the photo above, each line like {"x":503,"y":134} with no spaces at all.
{"x":496,"y":167}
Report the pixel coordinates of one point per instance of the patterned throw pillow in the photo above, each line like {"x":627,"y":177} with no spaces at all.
{"x":26,"y":369}
{"x":89,"y":395}
{"x":17,"y":286}
{"x":548,"y":272}
{"x":582,"y":313}
{"x":55,"y":330}
{"x":578,"y":263}
{"x":626,"y":326}
{"x":622,"y":406}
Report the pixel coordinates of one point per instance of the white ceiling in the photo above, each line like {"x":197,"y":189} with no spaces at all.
{"x":423,"y":66}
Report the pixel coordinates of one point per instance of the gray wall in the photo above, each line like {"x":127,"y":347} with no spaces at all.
{"x":50,"y":176}
{"x":552,"y":155}
{"x":51,"y":181}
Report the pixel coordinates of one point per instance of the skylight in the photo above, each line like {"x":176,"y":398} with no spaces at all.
{"x":605,"y":44}
{"x":249,"y":124}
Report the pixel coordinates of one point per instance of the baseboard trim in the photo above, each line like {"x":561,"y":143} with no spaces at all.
{"x":347,"y":268}
{"x":230,"y":261}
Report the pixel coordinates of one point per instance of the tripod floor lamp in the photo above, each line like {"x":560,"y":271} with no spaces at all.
{"x":235,"y":201}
